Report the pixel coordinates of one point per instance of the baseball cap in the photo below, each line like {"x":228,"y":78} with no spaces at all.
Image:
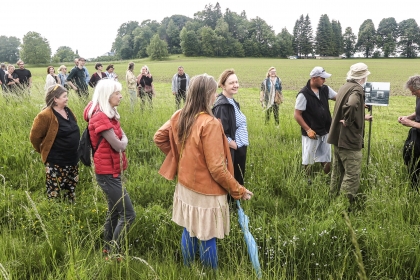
{"x":319,"y":72}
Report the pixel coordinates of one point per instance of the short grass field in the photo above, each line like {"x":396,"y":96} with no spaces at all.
{"x":301,"y":233}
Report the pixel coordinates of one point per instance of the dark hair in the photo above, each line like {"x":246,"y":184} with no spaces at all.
{"x":224,"y":76}
{"x":110,"y":66}
{"x":54,"y":91}
{"x":413,"y":82}
{"x":48,"y":69}
{"x":131,"y":66}
{"x":97,"y":65}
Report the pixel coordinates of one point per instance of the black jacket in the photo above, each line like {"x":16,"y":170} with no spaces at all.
{"x":225,"y":112}
{"x":317,"y":114}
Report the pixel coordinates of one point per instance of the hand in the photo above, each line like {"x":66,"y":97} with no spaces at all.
{"x":233,"y":145}
{"x":173,"y":93}
{"x":405,"y":121}
{"x":368,"y":117}
{"x":343,"y":122}
{"x":311,"y":134}
{"x":247,"y":195}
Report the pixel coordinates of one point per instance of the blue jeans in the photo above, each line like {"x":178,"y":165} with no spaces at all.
{"x":190,"y":246}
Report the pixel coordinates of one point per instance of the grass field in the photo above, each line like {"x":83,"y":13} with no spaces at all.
{"x":301,"y":234}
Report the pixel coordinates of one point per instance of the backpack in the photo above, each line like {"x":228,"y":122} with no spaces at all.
{"x":85,"y":148}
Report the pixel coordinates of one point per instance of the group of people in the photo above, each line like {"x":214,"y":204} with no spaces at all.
{"x":15,"y":80}
{"x":205,"y":144}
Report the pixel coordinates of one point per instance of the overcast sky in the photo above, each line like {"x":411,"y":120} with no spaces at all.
{"x":91,"y":26}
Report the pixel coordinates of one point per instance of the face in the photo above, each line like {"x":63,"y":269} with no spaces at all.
{"x":100,"y":68}
{"x":273,"y":73}
{"x":231,"y":85}
{"x":51,"y":70}
{"x":11,"y":69}
{"x":64,"y":70}
{"x":415,"y":92}
{"x":61,"y":102}
{"x":180,"y":71}
{"x":318,"y":81}
{"x":110,"y":70}
{"x":82,"y":62}
{"x":144,"y":70}
{"x":21,"y":65}
{"x":115,"y":99}
{"x":76,"y":61}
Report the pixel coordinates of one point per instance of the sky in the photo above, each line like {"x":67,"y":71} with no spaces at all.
{"x":92,"y":26}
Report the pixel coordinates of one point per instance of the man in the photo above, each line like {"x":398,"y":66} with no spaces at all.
{"x":180,"y":83}
{"x":312,"y":113}
{"x":347,"y":131}
{"x":76,"y":78}
{"x":87,"y":77}
{"x":2,"y":76}
{"x":25,"y":77}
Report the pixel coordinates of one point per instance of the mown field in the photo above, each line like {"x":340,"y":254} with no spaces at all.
{"x":301,"y":233}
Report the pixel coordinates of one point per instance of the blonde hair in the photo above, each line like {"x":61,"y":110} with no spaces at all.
{"x":269,"y":70}
{"x":103,"y":91}
{"x":61,"y":67}
{"x":199,"y":97}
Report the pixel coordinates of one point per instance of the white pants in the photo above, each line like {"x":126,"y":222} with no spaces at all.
{"x":315,"y":150}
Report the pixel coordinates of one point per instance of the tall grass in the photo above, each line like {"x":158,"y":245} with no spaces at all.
{"x":301,"y":233}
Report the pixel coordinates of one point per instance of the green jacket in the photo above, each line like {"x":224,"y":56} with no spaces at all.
{"x":350,"y":107}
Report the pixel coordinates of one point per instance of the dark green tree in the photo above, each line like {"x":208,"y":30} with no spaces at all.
{"x":210,"y":15}
{"x":263,"y":34}
{"x":158,"y":49}
{"x":307,"y":37}
{"x":298,"y":36}
{"x":409,"y":41}
{"x":123,"y":44}
{"x":172,"y":33}
{"x":349,"y":42}
{"x":142,"y":36}
{"x":238,"y":25}
{"x":208,"y":41}
{"x":190,"y":44}
{"x":387,"y":35}
{"x":35,"y":49}
{"x":324,"y":37}
{"x":338,"y":47}
{"x":64,"y":54}
{"x":284,"y":43}
{"x":366,"y":40}
{"x":9,"y":49}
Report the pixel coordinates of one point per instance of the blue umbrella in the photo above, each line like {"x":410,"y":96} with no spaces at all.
{"x":249,"y":240}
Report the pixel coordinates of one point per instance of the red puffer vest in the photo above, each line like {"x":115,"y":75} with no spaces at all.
{"x":106,"y":159}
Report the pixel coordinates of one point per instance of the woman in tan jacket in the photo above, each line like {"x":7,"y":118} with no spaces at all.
{"x":55,"y":135}
{"x":197,"y":152}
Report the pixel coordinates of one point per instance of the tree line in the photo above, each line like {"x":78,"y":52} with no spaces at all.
{"x":213,"y":33}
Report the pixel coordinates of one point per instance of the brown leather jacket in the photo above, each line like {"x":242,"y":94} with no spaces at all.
{"x":205,"y":165}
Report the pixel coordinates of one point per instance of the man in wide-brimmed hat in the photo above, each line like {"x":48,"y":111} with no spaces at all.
{"x":347,"y":131}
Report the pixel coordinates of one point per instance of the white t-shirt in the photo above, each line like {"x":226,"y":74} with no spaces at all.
{"x":301,"y":99}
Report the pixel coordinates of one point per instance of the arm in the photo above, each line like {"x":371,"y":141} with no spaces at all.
{"x":30,"y":81}
{"x":58,"y":79}
{"x":69,"y":78}
{"x":332,"y":95}
{"x":38,"y":131}
{"x":92,"y":81}
{"x":174,"y":86}
{"x":300,"y":120}
{"x":350,"y":108}
{"x":117,"y":144}
{"x":161,"y":138}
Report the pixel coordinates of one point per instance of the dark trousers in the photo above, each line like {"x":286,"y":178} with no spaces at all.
{"x":239,"y":160}
{"x":180,"y":95}
{"x":275,"y":109}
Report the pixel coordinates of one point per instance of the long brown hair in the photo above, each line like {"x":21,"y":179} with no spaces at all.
{"x":199,"y":96}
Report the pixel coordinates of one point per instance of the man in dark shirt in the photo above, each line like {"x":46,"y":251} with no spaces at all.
{"x":25,"y":77}
{"x":2,"y":76}
{"x":76,"y":79}
{"x":180,"y":82}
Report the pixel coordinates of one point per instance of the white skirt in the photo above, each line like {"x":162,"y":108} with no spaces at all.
{"x":204,"y":216}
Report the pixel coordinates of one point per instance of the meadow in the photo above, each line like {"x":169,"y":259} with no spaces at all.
{"x":301,"y":233}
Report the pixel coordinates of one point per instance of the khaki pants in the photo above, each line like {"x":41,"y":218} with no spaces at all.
{"x":346,"y":171}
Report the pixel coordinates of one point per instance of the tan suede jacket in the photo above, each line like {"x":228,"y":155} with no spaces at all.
{"x":43,"y":132}
{"x":205,"y":165}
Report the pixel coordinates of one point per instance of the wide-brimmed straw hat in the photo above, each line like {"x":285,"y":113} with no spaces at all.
{"x":358,"y":71}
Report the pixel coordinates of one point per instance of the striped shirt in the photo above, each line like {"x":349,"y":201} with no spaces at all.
{"x":241,"y":136}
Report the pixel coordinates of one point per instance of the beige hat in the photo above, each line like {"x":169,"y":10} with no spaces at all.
{"x":358,"y":71}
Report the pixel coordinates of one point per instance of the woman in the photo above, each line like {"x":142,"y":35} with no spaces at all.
{"x":145,"y":85}
{"x":110,"y":72}
{"x":131,"y":80}
{"x":55,"y":135}
{"x":97,"y":76}
{"x":12,"y":79}
{"x":52,"y":78}
{"x":197,"y":152}
{"x":271,"y":95}
{"x":104,"y":121}
{"x":234,"y":122}
{"x":62,"y":74}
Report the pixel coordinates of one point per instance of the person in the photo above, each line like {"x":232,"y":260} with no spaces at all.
{"x":76,"y":63}
{"x":197,"y":152}
{"x":228,"y":111}
{"x":110,"y":160}
{"x":145,"y":85}
{"x":413,"y":120}
{"x":97,"y":76}
{"x":55,"y":135}
{"x":51,"y":79}
{"x":11,"y":80}
{"x":25,"y":77}
{"x":110,"y":72}
{"x":312,"y":113}
{"x":347,"y":132}
{"x":76,"y":79}
{"x":131,"y":80}
{"x":3,"y":72}
{"x":62,"y":74}
{"x":180,"y":82}
{"x":270,"y":88}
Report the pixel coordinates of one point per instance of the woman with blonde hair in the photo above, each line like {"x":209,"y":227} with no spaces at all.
{"x":197,"y":152}
{"x":271,"y":95}
{"x":145,"y":85}
{"x":109,"y":142}
{"x":55,"y":135}
{"x":62,"y":74}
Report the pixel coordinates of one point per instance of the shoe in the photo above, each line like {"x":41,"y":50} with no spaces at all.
{"x":327,"y":167}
